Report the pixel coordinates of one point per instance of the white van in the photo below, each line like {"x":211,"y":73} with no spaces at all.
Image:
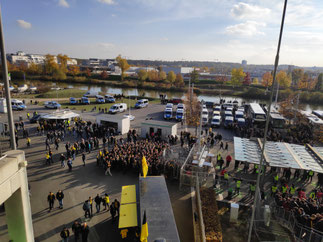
{"x":205,"y":120}
{"x":142,"y":103}
{"x":216,"y":121}
{"x":17,"y":105}
{"x":118,"y":108}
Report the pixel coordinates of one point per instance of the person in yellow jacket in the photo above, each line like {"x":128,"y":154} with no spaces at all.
{"x":28,"y":142}
{"x":91,"y":205}
{"x":106,"y":202}
{"x":47,"y":158}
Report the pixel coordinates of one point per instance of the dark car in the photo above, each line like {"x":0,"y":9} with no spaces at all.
{"x":37,"y":117}
{"x":209,"y":104}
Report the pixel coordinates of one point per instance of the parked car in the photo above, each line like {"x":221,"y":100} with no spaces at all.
{"x":176,"y":101}
{"x":37,"y":117}
{"x":209,"y":104}
{"x":90,"y":94}
{"x":228,"y":122}
{"x":168,"y":113}
{"x":169,"y":105}
{"x":52,"y":105}
{"x":216,"y":121}
{"x":180,"y":106}
{"x":205,"y":119}
{"x":73,"y":101}
{"x":99,"y":99}
{"x":118,"y":108}
{"x":109,"y":99}
{"x":17,"y":105}
{"x":142,"y":103}
{"x":217,"y":108}
{"x":85,"y":100}
{"x":180,"y":114}
{"x":241,"y":122}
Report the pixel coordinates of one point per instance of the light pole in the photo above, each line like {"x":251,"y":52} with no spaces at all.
{"x":6,"y":85}
{"x":266,"y":127}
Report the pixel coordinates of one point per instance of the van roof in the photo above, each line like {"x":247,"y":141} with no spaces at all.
{"x":229,"y":118}
{"x":140,"y":100}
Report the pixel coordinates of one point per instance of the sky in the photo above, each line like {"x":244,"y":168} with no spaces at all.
{"x":201,"y":30}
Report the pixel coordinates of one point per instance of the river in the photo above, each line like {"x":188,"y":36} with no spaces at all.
{"x":170,"y":94}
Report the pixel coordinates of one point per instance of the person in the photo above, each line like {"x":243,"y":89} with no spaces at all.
{"x":292,"y":190}
{"x":221,"y":146}
{"x":228,"y":159}
{"x":238,"y":184}
{"x":28,"y":142}
{"x":98,"y":201}
{"x":83,"y":158}
{"x":59,"y":197}
{"x":87,"y":208}
{"x":310,"y":175}
{"x":91,"y":206}
{"x":47,"y":158}
{"x":116,"y":205}
{"x":51,"y":200}
{"x":273,"y":189}
{"x":252,"y":189}
{"x":226,"y":146}
{"x":69,"y":164}
{"x":28,"y":115}
{"x":62,"y":158}
{"x":85,"y":232}
{"x":106,"y":201}
{"x":108,"y":170}
{"x":65,"y":234}
{"x":76,"y":228}
{"x":112,"y":211}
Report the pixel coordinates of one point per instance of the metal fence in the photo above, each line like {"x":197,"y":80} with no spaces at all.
{"x":301,"y":232}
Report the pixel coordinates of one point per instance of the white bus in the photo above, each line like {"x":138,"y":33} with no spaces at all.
{"x":257,"y":114}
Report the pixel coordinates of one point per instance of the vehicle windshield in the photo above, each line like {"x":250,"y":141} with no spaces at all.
{"x":204,"y":119}
{"x":216,"y":120}
{"x":204,"y":113}
{"x":114,"y":107}
{"x":260,"y":116}
{"x":168,"y":113}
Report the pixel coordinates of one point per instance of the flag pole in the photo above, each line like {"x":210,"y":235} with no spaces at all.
{"x":6,"y":85}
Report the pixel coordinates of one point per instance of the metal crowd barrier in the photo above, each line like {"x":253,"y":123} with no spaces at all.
{"x":301,"y":232}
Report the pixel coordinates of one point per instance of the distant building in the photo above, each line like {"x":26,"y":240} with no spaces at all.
{"x":244,"y":62}
{"x":178,"y":70}
{"x":22,"y":58}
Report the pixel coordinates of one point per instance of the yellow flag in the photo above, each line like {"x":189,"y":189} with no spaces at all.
{"x":144,"y":166}
{"x":144,"y":229}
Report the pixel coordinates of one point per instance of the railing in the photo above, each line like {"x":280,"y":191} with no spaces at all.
{"x":301,"y":232}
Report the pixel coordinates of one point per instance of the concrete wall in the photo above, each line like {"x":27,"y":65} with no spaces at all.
{"x":14,"y":194}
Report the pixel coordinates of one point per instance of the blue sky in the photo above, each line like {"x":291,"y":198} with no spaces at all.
{"x":213,"y":30}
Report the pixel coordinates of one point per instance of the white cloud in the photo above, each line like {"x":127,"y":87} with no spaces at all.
{"x":249,"y":28}
{"x":63,"y":4}
{"x":248,"y":11}
{"x":105,"y":45}
{"x":113,"y":15}
{"x":164,"y":39}
{"x":109,"y":2}
{"x":23,"y":24}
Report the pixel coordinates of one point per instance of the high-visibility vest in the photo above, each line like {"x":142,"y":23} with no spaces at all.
{"x":311,"y":173}
{"x":276,"y":178}
{"x":226,"y":176}
{"x":312,"y":195}
{"x":107,"y":200}
{"x":274,"y":189}
{"x":252,"y":188}
{"x":257,"y":170}
{"x":238,"y":184}
{"x":292,"y":190}
{"x":284,"y":189}
{"x":47,"y":156}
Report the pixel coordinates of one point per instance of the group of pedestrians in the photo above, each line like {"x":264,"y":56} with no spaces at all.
{"x":79,"y":229}
{"x":51,"y":199}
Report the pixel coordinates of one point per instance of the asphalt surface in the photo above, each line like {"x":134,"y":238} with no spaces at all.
{"x":81,"y":183}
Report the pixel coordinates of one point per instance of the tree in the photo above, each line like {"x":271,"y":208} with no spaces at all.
{"x":162,"y":75}
{"x":62,"y":60}
{"x":87,"y":72}
{"x":283,"y":79}
{"x":247,"y":79}
{"x":34,"y":69}
{"x":74,"y":70}
{"x":50,"y":64}
{"x":142,"y":75}
{"x":319,"y":83}
{"x":153,"y":75}
{"x":237,"y":76}
{"x":267,"y":79}
{"x":104,"y":75}
{"x":123,"y":64}
{"x":193,"y":109}
{"x":297,"y":76}
{"x":194,"y":76}
{"x":171,"y":77}
{"x":59,"y":74}
{"x":179,"y":81}
{"x":255,"y":81}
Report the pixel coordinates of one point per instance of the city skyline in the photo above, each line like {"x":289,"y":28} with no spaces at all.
{"x":206,"y":30}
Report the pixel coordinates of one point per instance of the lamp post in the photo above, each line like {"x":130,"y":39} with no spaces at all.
{"x":6,"y":85}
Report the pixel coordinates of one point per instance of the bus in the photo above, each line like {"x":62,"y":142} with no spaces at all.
{"x":257,"y":114}
{"x":277,"y":121}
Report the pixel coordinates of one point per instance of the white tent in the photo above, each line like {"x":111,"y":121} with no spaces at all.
{"x":61,"y":115}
